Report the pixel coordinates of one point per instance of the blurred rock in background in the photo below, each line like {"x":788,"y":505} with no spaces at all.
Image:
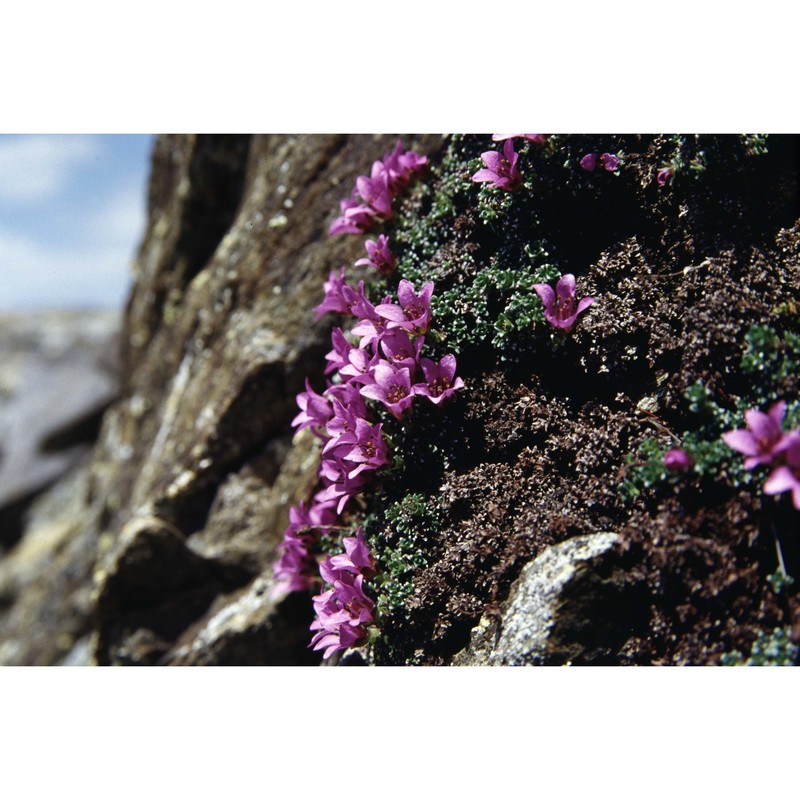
{"x":58,"y":374}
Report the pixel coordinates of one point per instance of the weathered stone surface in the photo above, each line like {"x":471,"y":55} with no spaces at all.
{"x":46,"y":580}
{"x":249,"y":627}
{"x":219,"y":339}
{"x":560,"y":610}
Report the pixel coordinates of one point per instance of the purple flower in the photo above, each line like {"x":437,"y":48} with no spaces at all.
{"x":315,"y":411}
{"x":375,"y":192}
{"x":786,"y":478}
{"x":500,"y":168}
{"x":392,"y":387}
{"x":369,"y":450}
{"x":531,"y":137}
{"x":335,"y":300}
{"x":356,"y":557}
{"x":414,"y":312}
{"x":349,"y":591}
{"x":331,"y":619}
{"x":416,"y":307}
{"x":760,"y":442}
{"x":664,"y":175}
{"x":400,"y":350}
{"x":439,"y":383}
{"x":364,"y":447}
{"x":345,"y":417}
{"x":356,"y":217}
{"x":359,"y":367}
{"x":295,"y":569}
{"x":379,"y":256}
{"x":678,"y":460}
{"x":345,"y":400}
{"x":340,"y":486}
{"x":316,"y":516}
{"x":342,"y":638}
{"x":372,"y":324}
{"x":342,"y":612}
{"x":559,"y":306}
{"x":402,"y":165}
{"x":339,"y":355}
{"x":609,"y":162}
{"x":358,"y":303}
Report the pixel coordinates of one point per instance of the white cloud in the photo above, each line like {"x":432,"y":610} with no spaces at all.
{"x":75,"y":247}
{"x":34,"y":168}
{"x":85,"y":273}
{"x":122,"y":218}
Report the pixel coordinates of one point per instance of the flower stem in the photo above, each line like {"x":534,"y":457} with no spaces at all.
{"x":779,"y":552}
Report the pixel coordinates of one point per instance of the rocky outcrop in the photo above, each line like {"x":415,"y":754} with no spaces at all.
{"x":570,"y":605}
{"x":46,"y":594}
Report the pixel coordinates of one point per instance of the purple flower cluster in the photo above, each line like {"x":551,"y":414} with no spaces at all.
{"x":378,"y":361}
{"x":765,"y":442}
{"x":385,"y":366}
{"x":296,"y":568}
{"x":344,"y":611}
{"x":371,"y":199}
{"x":500,"y":169}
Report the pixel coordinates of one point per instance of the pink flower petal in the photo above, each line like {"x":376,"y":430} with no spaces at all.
{"x":484,"y":175}
{"x":546,"y":295}
{"x":776,"y":413}
{"x":565,"y":288}
{"x":781,"y":480}
{"x":742,"y":441}
{"x":762,"y":425}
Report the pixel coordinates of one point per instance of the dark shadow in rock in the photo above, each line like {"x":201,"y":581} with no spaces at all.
{"x":156,"y":583}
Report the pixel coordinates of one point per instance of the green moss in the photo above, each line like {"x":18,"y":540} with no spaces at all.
{"x":493,"y":204}
{"x":755,"y":144}
{"x":698,"y":154}
{"x":402,"y":536}
{"x":499,"y":302}
{"x":770,"y":649}
{"x":484,"y":293}
{"x":780,"y":582}
{"x":645,"y":468}
{"x":419,"y":236}
{"x":770,"y":358}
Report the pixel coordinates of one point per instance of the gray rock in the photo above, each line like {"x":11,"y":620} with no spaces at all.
{"x":46,"y":579}
{"x":249,"y":627}
{"x":58,"y":373}
{"x":563,"y":605}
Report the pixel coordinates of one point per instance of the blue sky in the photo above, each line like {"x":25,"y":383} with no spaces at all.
{"x":72,"y":212}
